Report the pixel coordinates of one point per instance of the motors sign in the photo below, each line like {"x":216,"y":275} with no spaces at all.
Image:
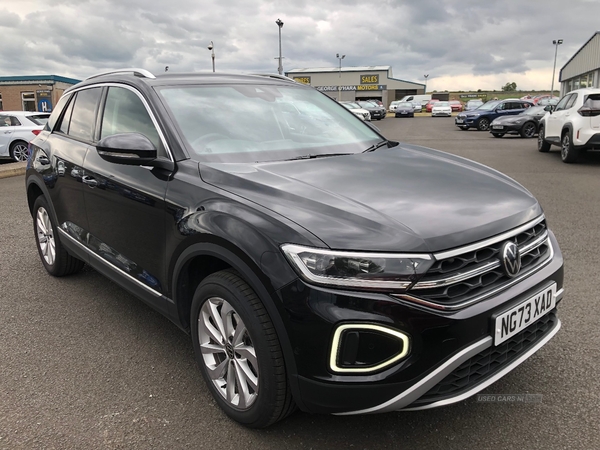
{"x":359,"y":87}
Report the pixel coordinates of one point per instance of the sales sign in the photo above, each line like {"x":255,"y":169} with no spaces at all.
{"x":369,"y":79}
{"x":303,"y":80}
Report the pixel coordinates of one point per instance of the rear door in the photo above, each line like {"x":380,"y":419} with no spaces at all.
{"x":125,"y":203}
{"x":6,"y":132}
{"x":555,"y":121}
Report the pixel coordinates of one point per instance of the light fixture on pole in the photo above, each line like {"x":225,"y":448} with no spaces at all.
{"x":337,"y":55}
{"x":279,"y":23}
{"x":556,"y":44}
{"x":426,"y":76}
{"x":211,"y":47}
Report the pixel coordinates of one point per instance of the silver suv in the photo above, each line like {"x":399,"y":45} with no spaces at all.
{"x":574,"y":124}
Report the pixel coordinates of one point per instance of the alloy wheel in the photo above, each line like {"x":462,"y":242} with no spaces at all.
{"x":20,"y":152}
{"x":228,"y":353}
{"x":566,"y":143}
{"x":529,"y":130}
{"x":45,"y":236}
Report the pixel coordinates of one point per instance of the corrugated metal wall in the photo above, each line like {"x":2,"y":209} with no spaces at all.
{"x":586,"y":60}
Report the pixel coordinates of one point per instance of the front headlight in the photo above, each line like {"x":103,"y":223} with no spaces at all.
{"x":368,"y":271}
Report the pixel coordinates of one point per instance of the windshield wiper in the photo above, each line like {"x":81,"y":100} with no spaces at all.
{"x":318,"y":155}
{"x":372,"y":148}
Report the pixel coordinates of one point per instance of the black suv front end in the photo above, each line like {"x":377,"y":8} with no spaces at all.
{"x":312,"y":261}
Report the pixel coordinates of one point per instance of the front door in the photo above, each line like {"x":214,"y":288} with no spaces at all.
{"x":125,"y":203}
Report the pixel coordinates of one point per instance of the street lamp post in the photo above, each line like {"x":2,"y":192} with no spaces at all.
{"x":279,"y":23}
{"x":337,"y":55}
{"x":211,"y":47}
{"x":556,"y":44}
{"x":426,"y":76}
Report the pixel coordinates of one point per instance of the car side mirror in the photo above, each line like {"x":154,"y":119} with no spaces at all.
{"x":132,"y":149}
{"x":549,"y":108}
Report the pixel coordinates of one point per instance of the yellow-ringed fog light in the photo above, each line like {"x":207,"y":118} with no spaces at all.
{"x":366,"y":348}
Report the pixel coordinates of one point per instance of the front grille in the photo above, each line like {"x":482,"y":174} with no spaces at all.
{"x":490,"y":361}
{"x":475,"y":273}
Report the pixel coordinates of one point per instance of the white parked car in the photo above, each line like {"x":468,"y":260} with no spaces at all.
{"x":441,"y":109}
{"x":355,"y":108}
{"x":17,"y":128}
{"x":573,"y":124}
{"x":393,"y":105}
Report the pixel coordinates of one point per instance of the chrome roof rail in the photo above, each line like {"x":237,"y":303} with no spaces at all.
{"x":274,"y":75}
{"x":143,"y":73}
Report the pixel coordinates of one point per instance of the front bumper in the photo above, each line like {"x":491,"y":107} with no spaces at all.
{"x":442,"y":343}
{"x":507,"y":128}
{"x":441,"y":113}
{"x":463,"y":121}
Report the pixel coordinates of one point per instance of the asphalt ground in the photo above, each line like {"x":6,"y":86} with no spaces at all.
{"x":85,"y":365}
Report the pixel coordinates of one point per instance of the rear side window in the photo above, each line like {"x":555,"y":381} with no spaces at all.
{"x":81,"y":125}
{"x":592,"y":101}
{"x":124,"y":112}
{"x":56,"y":112}
{"x":571,"y":101}
{"x":40,"y":119}
{"x":563,"y":102}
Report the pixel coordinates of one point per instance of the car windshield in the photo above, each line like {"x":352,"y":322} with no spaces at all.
{"x":437,"y":104}
{"x":368,"y":105}
{"x":405,"y":105}
{"x":258,"y":123}
{"x":489,"y":106}
{"x":532,"y":111}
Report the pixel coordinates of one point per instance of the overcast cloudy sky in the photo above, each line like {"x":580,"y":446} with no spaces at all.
{"x":461,"y":45}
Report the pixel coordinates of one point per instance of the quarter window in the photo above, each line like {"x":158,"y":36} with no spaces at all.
{"x":124,"y":112}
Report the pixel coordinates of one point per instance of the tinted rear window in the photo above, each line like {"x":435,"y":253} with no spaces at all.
{"x":40,"y":119}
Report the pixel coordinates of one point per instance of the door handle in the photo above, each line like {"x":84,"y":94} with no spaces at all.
{"x":91,"y":182}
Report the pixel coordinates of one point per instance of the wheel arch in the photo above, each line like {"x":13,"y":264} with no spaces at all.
{"x":200,"y":260}
{"x":567,"y":127}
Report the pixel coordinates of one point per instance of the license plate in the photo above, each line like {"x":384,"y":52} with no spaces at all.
{"x":459,"y":121}
{"x":497,"y":127}
{"x":524,"y":314}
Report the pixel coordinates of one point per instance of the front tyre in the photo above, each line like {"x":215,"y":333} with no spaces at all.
{"x":238,"y":352}
{"x":55,"y":258}
{"x":483,"y":125}
{"x":497,"y":135}
{"x":528,"y":130}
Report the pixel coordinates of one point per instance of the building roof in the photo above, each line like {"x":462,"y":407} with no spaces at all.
{"x":45,"y":79}
{"x":560,"y":73}
{"x":337,"y":69}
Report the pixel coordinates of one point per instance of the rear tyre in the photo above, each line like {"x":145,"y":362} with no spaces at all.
{"x":483,"y":125}
{"x":543,"y":146}
{"x":497,"y":135}
{"x":568,"y":152}
{"x":19,"y":151}
{"x":528,"y":130}
{"x":55,"y":258}
{"x":238,"y":352}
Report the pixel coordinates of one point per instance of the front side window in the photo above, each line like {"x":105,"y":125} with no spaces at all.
{"x":84,"y":114}
{"x":124,"y":112}
{"x":250,"y":123}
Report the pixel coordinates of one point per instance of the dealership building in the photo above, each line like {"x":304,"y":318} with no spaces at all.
{"x":583,"y":69}
{"x":32,"y":92}
{"x":357,"y":83}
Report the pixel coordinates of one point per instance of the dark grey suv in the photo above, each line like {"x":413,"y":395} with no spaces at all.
{"x":314,"y":263}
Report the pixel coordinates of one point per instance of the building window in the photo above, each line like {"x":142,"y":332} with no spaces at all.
{"x":1,"y":108}
{"x":28,"y":101}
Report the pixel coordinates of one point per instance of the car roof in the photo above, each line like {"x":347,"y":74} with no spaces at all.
{"x":139,"y":77}
{"x":24,"y":113}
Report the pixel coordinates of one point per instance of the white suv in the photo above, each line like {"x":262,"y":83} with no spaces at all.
{"x":574,"y":124}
